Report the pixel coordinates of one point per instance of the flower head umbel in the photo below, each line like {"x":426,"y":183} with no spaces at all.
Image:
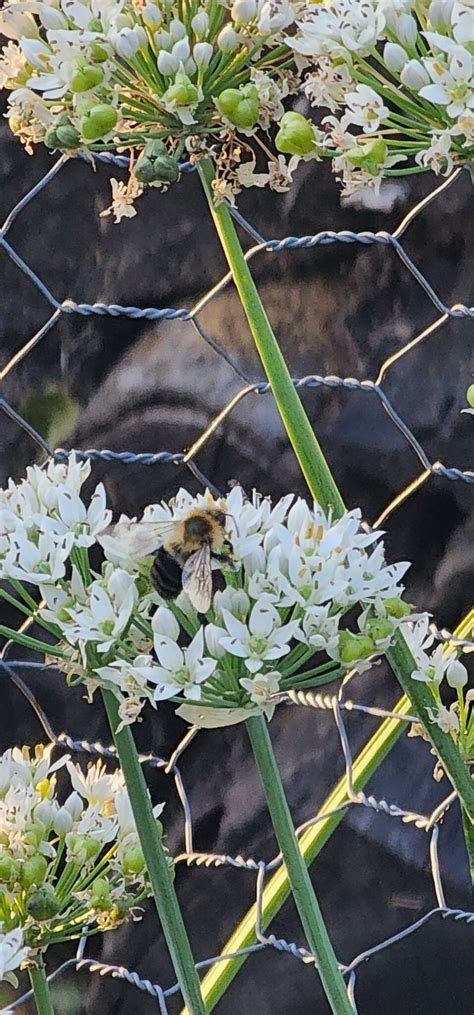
{"x":278,"y":621}
{"x":66,"y":866}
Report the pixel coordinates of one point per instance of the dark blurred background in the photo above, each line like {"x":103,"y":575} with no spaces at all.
{"x":141,"y":386}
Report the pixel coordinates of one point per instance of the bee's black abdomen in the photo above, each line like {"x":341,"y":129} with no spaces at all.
{"x":166,"y":575}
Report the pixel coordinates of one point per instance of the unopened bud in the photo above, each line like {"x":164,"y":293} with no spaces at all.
{"x":63,"y":822}
{"x":200,"y":23}
{"x":181,"y":50}
{"x":167,"y":63}
{"x":9,"y":869}
{"x":177,"y":30}
{"x":156,"y":165}
{"x":133,"y":861}
{"x":227,"y":40}
{"x":394,"y":57}
{"x":295,"y":136}
{"x":456,"y":673}
{"x":243,"y":11}
{"x":182,"y":92}
{"x":203,"y":53}
{"x":395,"y":607}
{"x":470,"y":395}
{"x":406,"y":29}
{"x":414,"y":75}
{"x":152,"y":16}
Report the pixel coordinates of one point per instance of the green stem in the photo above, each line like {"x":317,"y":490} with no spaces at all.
{"x":298,"y":876}
{"x":298,"y":427}
{"x":316,"y":470}
{"x":155,"y":858}
{"x":40,"y":987}
{"x":469,"y":837}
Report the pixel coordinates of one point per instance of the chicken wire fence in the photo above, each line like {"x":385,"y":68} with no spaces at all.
{"x":338,"y":704}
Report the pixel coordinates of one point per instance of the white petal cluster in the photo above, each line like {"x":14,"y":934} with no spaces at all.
{"x":12,"y":953}
{"x":48,"y":844}
{"x":441,"y":662}
{"x":423,"y":69}
{"x":296,"y":575}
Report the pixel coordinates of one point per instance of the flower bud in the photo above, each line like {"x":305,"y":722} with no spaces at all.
{"x":51,"y":18}
{"x":152,"y":16}
{"x":394,"y":57}
{"x":439,"y":14}
{"x":370,"y":157}
{"x":167,"y":63}
{"x":74,"y":805}
{"x":203,"y":53}
{"x":45,"y":810}
{"x":414,"y":75}
{"x":33,"y":871}
{"x":200,"y":23}
{"x":63,"y":822}
{"x":128,"y":41}
{"x":406,"y":29}
{"x":34,"y":835}
{"x":182,"y":92}
{"x":99,"y":54}
{"x":162,"y":40}
{"x":98,"y":121}
{"x":353,"y":647}
{"x":62,"y":134}
{"x":240,"y":105}
{"x":181,"y":50}
{"x":295,"y":136}
{"x":9,"y":869}
{"x":133,"y":861}
{"x":395,"y":607}
{"x":189,"y":67}
{"x":156,"y":165}
{"x":456,"y":673}
{"x":227,"y":40}
{"x":101,"y":891}
{"x":470,"y":395}
{"x":243,"y":11}
{"x":86,"y":77}
{"x":177,"y":30}
{"x":43,"y":904}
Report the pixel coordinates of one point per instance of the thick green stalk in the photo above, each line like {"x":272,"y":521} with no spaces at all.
{"x":221,"y":974}
{"x":298,"y":876}
{"x":316,"y":470}
{"x":40,"y":987}
{"x":297,"y":424}
{"x":155,"y":858}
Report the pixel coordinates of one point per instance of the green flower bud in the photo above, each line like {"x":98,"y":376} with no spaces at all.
{"x":182,"y":92}
{"x":43,"y":904}
{"x":240,"y":105}
{"x":62,"y":135}
{"x":470,"y":395}
{"x":33,"y":871}
{"x":95,"y":25}
{"x":370,"y":157}
{"x":395,"y":607}
{"x":34,"y":834}
{"x":353,"y":647}
{"x":133,"y":861}
{"x":156,"y":165}
{"x":378,"y":628}
{"x":92,"y":846}
{"x":295,"y":136}
{"x":8,"y":869}
{"x":87,"y":76}
{"x":98,"y":121}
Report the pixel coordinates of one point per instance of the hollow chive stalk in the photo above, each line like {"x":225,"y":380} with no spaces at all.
{"x":318,"y":474}
{"x":39,"y":984}
{"x":166,"y":900}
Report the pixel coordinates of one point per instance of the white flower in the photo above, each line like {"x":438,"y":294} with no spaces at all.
{"x":320,"y":630}
{"x":260,"y":689}
{"x":130,"y":676}
{"x":365,"y":108}
{"x":164,"y":623}
{"x":12,"y":954}
{"x":438,"y":156}
{"x":263,"y":639}
{"x":414,"y":75}
{"x":97,"y":786}
{"x":453,"y":87}
{"x":37,"y":562}
{"x":275,"y":15}
{"x":445,"y":718}
{"x":180,"y":669}
{"x":107,"y":612}
{"x":328,"y":85}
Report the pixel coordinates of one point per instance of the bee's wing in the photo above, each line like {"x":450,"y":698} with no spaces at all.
{"x":138,"y":538}
{"x":197,"y":579}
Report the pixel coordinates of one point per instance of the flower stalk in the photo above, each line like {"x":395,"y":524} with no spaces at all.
{"x":39,"y":983}
{"x":298,"y":876}
{"x":166,"y":901}
{"x":318,"y":474}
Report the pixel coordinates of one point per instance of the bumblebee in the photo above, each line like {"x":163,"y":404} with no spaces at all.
{"x":184,"y":550}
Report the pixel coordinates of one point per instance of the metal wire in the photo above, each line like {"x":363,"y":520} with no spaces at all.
{"x":429,"y":824}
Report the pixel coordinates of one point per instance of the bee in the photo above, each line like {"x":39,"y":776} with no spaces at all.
{"x":185,"y":551}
